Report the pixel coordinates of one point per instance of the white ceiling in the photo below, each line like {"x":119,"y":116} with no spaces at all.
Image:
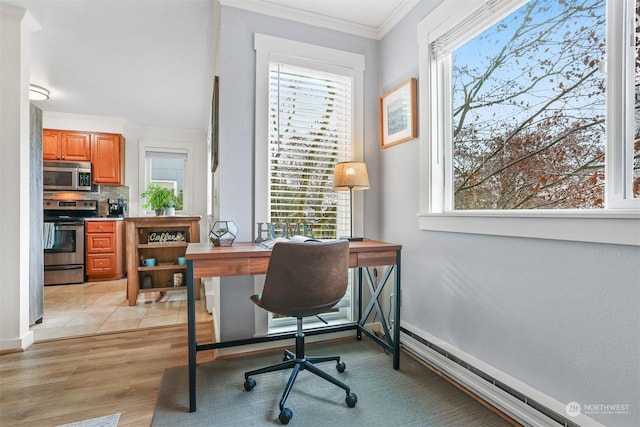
{"x":149,"y":61}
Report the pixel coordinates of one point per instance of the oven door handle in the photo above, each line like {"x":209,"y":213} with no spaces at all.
{"x":62,"y":267}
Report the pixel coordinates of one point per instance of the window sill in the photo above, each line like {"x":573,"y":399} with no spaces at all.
{"x":607,"y":226}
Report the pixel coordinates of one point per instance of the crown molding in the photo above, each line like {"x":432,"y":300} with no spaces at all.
{"x":400,"y":12}
{"x":279,"y":11}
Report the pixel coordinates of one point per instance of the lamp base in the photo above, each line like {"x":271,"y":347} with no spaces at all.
{"x":353,"y":239}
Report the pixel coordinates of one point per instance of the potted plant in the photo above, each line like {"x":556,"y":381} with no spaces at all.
{"x":158,"y":198}
{"x":170,"y":210}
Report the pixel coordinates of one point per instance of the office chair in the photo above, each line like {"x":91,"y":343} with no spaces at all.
{"x":303,"y":279}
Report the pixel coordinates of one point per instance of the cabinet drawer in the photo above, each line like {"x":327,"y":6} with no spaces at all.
{"x":100,"y":226}
{"x":99,"y":264}
{"x":100,"y":243}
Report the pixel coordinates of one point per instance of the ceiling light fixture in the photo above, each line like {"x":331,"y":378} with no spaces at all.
{"x":38,"y":93}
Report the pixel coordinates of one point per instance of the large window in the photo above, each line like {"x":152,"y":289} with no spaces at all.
{"x":308,"y":118}
{"x":530,"y":108}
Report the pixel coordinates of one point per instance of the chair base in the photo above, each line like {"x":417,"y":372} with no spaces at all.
{"x":299,"y":362}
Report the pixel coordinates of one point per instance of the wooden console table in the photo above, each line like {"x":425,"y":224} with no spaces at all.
{"x":205,"y":260}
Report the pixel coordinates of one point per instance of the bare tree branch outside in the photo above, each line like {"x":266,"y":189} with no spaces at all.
{"x":529,"y":110}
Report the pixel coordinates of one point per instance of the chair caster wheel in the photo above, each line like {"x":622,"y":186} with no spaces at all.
{"x":351,"y":400}
{"x":340,"y":366}
{"x":249,"y":384}
{"x":285,"y":416}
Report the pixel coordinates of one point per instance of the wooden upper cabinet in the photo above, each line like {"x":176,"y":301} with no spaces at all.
{"x":66,"y":145}
{"x":76,"y":146}
{"x":107,"y":158}
{"x":105,"y":151}
{"x":51,"y":144}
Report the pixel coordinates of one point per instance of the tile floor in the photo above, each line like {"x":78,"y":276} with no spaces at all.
{"x":99,"y":307}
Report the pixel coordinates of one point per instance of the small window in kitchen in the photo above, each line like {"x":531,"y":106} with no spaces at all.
{"x":166,"y":168}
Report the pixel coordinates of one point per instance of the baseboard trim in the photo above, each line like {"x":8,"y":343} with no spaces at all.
{"x":502,"y":396}
{"x":17,"y":345}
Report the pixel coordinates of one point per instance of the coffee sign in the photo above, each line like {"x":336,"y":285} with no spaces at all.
{"x":174,"y":236}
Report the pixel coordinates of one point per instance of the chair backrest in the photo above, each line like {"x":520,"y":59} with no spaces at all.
{"x":305,"y":279}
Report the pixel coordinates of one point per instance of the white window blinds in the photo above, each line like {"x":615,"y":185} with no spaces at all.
{"x":472,"y":24}
{"x":310,"y":130}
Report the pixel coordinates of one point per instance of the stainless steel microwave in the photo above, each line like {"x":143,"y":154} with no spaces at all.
{"x":69,"y":176}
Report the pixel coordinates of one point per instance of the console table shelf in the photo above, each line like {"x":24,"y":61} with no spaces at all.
{"x":155,"y":237}
{"x":161,"y":245}
{"x":163,"y":267}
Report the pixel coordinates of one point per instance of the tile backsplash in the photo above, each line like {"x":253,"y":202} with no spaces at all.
{"x":102,"y":195}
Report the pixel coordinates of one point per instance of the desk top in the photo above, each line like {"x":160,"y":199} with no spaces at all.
{"x":197,"y":251}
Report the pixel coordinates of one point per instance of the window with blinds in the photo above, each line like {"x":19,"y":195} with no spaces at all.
{"x":310,"y":130}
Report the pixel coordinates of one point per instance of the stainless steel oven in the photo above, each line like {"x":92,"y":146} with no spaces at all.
{"x":64,"y":239}
{"x":68,"y":176}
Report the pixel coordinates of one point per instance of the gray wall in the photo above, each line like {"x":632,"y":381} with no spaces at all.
{"x":561,"y":317}
{"x":236,"y":133}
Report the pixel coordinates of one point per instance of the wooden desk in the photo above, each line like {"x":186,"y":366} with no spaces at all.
{"x":206,"y":260}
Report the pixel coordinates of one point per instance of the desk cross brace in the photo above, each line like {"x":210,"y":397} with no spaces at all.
{"x":374,"y":302}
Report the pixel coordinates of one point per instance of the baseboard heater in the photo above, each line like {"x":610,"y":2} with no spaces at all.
{"x":528,"y":417}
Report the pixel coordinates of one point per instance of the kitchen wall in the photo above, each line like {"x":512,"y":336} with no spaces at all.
{"x":558,"y":319}
{"x":237,"y":116}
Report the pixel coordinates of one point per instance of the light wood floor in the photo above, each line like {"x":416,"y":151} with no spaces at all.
{"x":69,"y":380}
{"x":99,"y":307}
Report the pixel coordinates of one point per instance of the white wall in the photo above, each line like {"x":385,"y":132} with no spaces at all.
{"x":559,"y":317}
{"x":15,"y":27}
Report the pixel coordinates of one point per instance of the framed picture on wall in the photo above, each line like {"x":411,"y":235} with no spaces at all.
{"x":214,"y":124}
{"x":398,"y":115}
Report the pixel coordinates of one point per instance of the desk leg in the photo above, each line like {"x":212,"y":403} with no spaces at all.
{"x":191,"y":331}
{"x":358,"y":331}
{"x":396,"y":315}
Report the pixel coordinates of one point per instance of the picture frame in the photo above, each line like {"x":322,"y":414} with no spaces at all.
{"x":398,"y":114}
{"x":215,"y":102}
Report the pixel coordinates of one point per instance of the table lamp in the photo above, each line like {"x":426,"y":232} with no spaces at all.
{"x":351,"y":176}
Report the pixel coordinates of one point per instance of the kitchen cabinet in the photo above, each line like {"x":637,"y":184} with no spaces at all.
{"x":107,"y":159}
{"x":165,"y":239}
{"x":66,"y":145}
{"x":105,"y":151}
{"x":104,"y":241}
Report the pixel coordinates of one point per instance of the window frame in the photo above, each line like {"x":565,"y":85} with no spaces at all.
{"x":618,"y":223}
{"x":144,"y":175}
{"x":275,"y":49}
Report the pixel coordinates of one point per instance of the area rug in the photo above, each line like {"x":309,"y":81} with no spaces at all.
{"x":106,"y":421}
{"x":412,"y":396}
